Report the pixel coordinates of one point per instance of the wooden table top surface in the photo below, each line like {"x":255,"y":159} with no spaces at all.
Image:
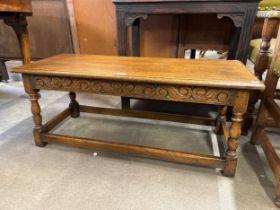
{"x":15,"y":6}
{"x":207,"y":73}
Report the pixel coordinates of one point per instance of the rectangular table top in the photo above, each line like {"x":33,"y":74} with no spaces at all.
{"x":207,"y":73}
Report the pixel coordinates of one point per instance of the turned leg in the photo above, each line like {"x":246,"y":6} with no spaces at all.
{"x":262,"y":59}
{"x":232,"y":145}
{"x":220,"y":118}
{"x":19,"y":25}
{"x":239,"y":108}
{"x":74,"y":106}
{"x":37,"y":118}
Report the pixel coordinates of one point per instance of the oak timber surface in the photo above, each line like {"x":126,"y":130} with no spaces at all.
{"x":218,"y":73}
{"x":15,"y":6}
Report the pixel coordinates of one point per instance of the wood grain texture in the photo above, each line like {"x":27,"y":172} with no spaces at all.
{"x":238,"y":110}
{"x":96,"y":26}
{"x":218,"y":73}
{"x":150,"y":152}
{"x":241,"y":15}
{"x":56,"y":120}
{"x":14,"y":15}
{"x":49,"y":31}
{"x":15,"y":6}
{"x":19,"y":24}
{"x":73,"y":26}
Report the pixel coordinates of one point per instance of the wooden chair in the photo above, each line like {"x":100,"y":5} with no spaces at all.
{"x":269,"y":115}
{"x":262,"y":49}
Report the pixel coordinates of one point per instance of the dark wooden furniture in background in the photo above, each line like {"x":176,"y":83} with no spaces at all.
{"x":14,"y":13}
{"x":159,"y":33}
{"x":129,"y":12}
{"x":241,"y":12}
{"x":49,"y":32}
{"x":268,"y":116}
{"x":228,"y":84}
{"x":99,"y":35}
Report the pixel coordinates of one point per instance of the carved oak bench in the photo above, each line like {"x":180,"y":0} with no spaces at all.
{"x":217,"y":82}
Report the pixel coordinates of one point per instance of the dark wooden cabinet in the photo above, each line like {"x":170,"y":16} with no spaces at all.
{"x":240,"y":13}
{"x":13,"y":13}
{"x":49,"y":31}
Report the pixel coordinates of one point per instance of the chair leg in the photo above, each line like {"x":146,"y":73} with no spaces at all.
{"x":277,"y":199}
{"x":259,"y":126}
{"x":255,"y":138}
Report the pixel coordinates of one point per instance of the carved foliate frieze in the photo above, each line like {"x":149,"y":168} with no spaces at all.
{"x":137,"y":89}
